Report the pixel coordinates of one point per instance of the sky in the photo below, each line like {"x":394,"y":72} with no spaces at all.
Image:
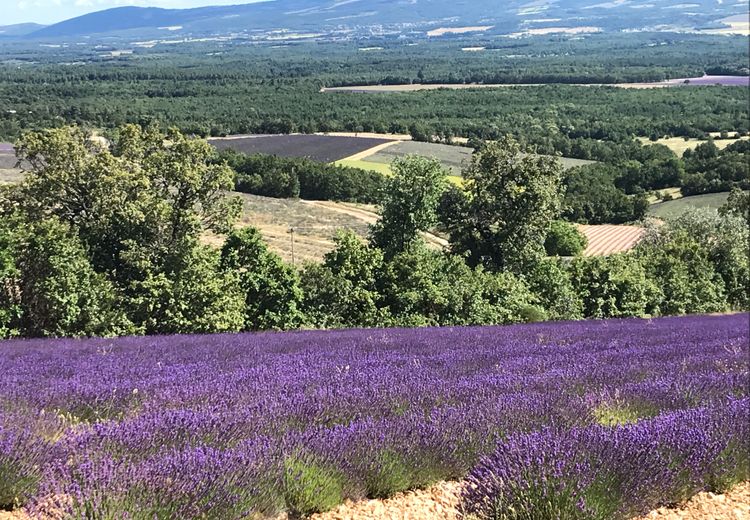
{"x":52,"y":11}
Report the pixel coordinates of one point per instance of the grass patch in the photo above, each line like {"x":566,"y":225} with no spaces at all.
{"x":675,"y":208}
{"x":385,"y":169}
{"x":388,"y":476}
{"x":310,"y":487}
{"x":678,"y":144}
{"x":618,"y":414}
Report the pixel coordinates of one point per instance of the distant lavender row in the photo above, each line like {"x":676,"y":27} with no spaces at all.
{"x":727,"y":81}
{"x":228,"y":425}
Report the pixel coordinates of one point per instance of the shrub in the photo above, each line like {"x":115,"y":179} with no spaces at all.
{"x":387,"y":476}
{"x":532,"y":314}
{"x":564,"y":239}
{"x":612,"y":286}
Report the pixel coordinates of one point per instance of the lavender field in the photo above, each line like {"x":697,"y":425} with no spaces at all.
{"x":586,"y":420}
{"x":322,"y":148}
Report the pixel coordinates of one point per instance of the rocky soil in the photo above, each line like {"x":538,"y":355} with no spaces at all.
{"x":440,"y":502}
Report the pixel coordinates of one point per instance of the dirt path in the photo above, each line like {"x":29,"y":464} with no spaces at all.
{"x":440,"y":502}
{"x":372,"y":135}
{"x":370,"y":151}
{"x":370,"y":217}
{"x":734,"y":505}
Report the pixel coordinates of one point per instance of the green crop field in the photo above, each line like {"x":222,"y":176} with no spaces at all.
{"x":454,"y":158}
{"x":675,"y":208}
{"x":383,"y":168}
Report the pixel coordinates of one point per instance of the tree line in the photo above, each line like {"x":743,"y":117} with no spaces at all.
{"x":290,"y":177}
{"x":613,"y":191}
{"x":106,"y":240}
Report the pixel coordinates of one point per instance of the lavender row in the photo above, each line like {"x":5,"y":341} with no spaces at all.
{"x":600,"y":473}
{"x":227,"y":426}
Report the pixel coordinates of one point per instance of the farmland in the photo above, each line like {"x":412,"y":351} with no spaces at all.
{"x":455,"y":158}
{"x":675,"y":208}
{"x":8,"y":171}
{"x":606,"y":239}
{"x":235,"y":425}
{"x":727,"y":81}
{"x":679,"y":144}
{"x":368,"y":153}
{"x":315,"y":224}
{"x":320,"y":148}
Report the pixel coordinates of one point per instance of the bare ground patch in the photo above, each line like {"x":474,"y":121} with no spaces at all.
{"x":441,"y":31}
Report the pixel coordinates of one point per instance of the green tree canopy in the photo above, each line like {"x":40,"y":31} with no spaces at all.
{"x":410,"y":203}
{"x":128,"y":214}
{"x":272,"y":293}
{"x":147,"y":194}
{"x":512,"y":198}
{"x":564,"y":239}
{"x":59,"y":293}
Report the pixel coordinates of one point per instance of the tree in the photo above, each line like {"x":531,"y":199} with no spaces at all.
{"x":551,"y":285}
{"x":612,"y":286}
{"x":422,"y":287}
{"x":10,"y":308}
{"x":196,"y":296}
{"x":738,"y":203}
{"x":410,"y":203}
{"x":452,"y":209}
{"x":724,"y":240}
{"x":137,"y":207}
{"x":513,"y":197}
{"x":681,"y":269}
{"x":272,"y":293}
{"x":591,"y":197}
{"x":157,"y":191}
{"x":564,"y":239}
{"x":59,"y":292}
{"x":342,"y":291}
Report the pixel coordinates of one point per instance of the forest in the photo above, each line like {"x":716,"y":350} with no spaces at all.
{"x":227,"y":88}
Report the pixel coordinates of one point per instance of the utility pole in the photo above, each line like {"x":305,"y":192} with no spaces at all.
{"x":291,"y":234}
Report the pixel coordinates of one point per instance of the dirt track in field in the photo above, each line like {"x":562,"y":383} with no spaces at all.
{"x":440,"y":502}
{"x":370,"y":151}
{"x":370,"y":217}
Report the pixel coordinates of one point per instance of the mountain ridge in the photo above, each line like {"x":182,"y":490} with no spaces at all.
{"x":394,"y":17}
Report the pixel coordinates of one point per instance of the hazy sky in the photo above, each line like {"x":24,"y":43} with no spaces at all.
{"x":51,"y":11}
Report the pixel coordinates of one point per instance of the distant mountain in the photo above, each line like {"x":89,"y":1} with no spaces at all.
{"x":276,"y":19}
{"x":20,"y":29}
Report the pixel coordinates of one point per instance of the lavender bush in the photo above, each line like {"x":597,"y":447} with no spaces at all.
{"x":24,"y":452}
{"x":231,"y":426}
{"x":601,"y":473}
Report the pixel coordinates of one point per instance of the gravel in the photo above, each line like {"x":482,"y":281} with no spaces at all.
{"x":440,"y":502}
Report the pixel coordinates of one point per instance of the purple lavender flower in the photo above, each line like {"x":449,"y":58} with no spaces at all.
{"x":229,"y":425}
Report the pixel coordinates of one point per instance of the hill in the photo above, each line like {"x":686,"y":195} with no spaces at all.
{"x":20,"y":29}
{"x":297,"y":19}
